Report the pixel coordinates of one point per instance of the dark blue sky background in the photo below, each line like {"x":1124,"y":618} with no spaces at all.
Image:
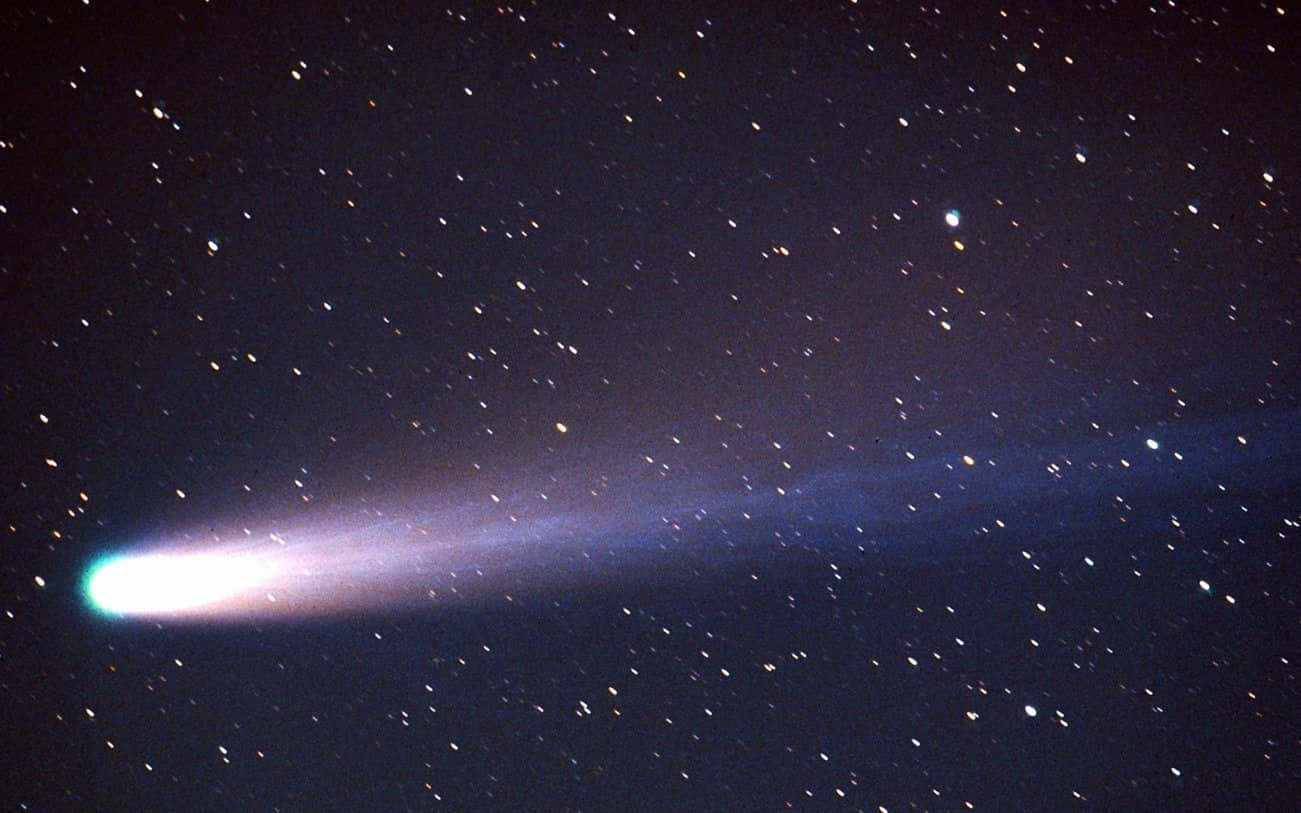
{"x":274,"y":266}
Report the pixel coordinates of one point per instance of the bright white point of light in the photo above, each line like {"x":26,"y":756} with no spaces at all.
{"x":1269,"y":178}
{"x":212,"y":245}
{"x":1152,"y":444}
{"x":952,"y":218}
{"x":1204,"y":585}
{"x":1088,"y":561}
{"x":969,"y":460}
{"x":561,"y":428}
{"x":1079,"y":156}
{"x":166,"y":584}
{"x":1031,"y":711}
{"x":40,"y":582}
{"x":903,"y":122}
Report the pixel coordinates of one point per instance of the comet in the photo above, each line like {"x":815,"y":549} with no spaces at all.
{"x":398,"y":555}
{"x":314,"y":569}
{"x":372,"y":555}
{"x":161,"y":584}
{"x":367,"y":559}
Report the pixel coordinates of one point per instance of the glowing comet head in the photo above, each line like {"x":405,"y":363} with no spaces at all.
{"x":169,"y":584}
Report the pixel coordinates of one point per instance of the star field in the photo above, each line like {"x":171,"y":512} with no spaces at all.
{"x":781,"y":406}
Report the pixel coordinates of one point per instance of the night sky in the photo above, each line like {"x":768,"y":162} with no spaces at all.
{"x":813,"y":406}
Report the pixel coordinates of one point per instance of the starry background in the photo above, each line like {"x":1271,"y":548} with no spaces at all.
{"x":887,"y":509}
